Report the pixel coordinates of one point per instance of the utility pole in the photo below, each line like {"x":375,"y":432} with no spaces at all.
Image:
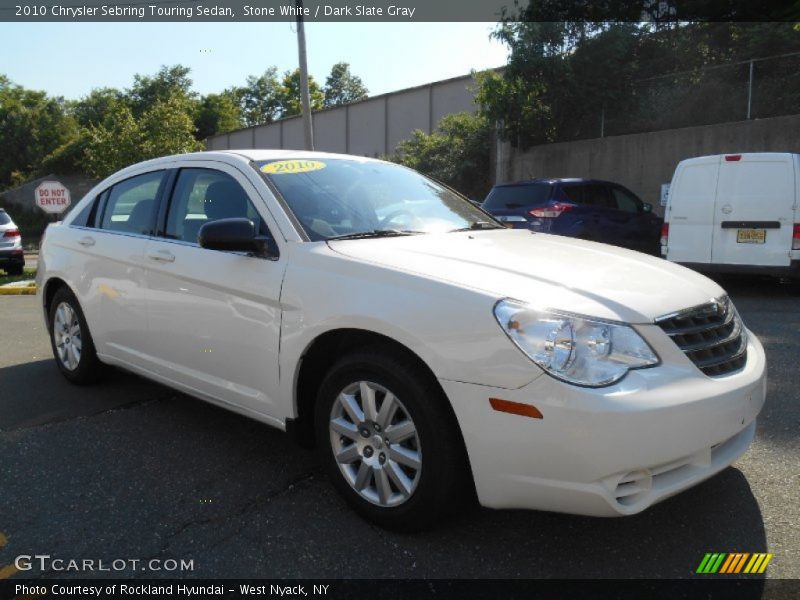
{"x":308,"y":127}
{"x":750,"y":90}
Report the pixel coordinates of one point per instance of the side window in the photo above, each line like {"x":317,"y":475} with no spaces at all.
{"x":625,"y":201}
{"x":97,"y":210}
{"x":574,"y":193}
{"x":131,"y":205}
{"x":83,"y":218}
{"x":598,"y":196}
{"x":204,"y":195}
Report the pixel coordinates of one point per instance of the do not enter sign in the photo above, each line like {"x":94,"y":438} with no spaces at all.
{"x":52,"y":197}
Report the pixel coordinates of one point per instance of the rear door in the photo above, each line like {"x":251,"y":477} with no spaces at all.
{"x":690,"y":210}
{"x":106,"y":263}
{"x":754,"y":210}
{"x":594,"y":218}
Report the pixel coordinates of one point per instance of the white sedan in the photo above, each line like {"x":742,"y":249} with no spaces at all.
{"x":426,"y":350}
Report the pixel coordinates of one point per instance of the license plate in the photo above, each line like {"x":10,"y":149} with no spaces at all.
{"x":751,"y":236}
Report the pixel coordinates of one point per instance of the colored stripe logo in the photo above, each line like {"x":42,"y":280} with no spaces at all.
{"x":734,"y":563}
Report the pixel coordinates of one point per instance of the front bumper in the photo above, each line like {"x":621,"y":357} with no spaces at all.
{"x":609,"y":451}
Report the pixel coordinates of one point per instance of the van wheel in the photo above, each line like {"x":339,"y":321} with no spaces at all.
{"x":73,"y":347}
{"x":388,"y":442}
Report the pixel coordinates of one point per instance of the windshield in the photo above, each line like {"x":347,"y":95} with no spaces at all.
{"x":517,"y":196}
{"x":4,"y":218}
{"x":333,"y":197}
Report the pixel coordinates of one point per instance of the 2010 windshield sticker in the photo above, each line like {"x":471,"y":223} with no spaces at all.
{"x":281,"y":167}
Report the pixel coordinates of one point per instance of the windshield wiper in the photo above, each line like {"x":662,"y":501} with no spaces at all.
{"x":478,"y":225}
{"x":375,"y":233}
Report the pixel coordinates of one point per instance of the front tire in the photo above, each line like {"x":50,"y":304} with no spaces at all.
{"x":388,"y":441}
{"x":73,"y":347}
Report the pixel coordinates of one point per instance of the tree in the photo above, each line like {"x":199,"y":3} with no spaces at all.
{"x":32,"y":126}
{"x":166,"y":128}
{"x":289,"y":94}
{"x":169,"y":82}
{"x":523,"y":99}
{"x":112,"y":144}
{"x":457,"y":153}
{"x":101,"y":103}
{"x":342,"y":87}
{"x":218,"y":113}
{"x":259,"y":98}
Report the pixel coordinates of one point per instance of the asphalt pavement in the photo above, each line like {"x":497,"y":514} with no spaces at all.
{"x":129,"y":469}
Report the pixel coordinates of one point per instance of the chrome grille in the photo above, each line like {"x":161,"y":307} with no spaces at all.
{"x":711,"y":336}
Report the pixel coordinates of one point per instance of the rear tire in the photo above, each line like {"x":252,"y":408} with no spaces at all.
{"x":71,"y":341}
{"x":401,"y":462}
{"x":15,"y":270}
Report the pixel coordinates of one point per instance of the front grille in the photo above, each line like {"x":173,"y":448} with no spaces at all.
{"x":711,"y":336}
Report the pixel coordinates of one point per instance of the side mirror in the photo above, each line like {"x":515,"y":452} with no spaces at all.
{"x":235,"y":235}
{"x":647,"y":207}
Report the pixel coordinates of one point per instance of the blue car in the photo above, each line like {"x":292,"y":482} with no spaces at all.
{"x":588,"y":209}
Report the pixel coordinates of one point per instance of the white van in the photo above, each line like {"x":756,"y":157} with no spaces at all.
{"x":735,"y":213}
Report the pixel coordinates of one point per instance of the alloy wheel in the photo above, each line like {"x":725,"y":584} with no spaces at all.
{"x":375,"y":443}
{"x":67,"y":336}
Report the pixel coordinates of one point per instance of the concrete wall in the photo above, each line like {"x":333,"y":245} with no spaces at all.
{"x":372,"y":127}
{"x":642,"y":162}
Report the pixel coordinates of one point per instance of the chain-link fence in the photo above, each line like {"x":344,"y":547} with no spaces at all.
{"x":750,"y":89}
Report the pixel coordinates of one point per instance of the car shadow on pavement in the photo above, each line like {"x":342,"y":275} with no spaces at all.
{"x":35,"y":393}
{"x":174,"y":477}
{"x":668,"y":540}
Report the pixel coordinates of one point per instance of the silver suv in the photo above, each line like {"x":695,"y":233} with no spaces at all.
{"x":12,"y":258}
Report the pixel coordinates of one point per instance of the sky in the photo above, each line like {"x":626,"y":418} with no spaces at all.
{"x":387,"y":56}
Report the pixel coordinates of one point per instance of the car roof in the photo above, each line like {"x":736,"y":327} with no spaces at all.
{"x":554,"y":181}
{"x":267,"y":154}
{"x":256,"y":154}
{"x":231,"y":156}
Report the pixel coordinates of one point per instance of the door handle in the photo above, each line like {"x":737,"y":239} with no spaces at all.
{"x":162,"y":256}
{"x":86,"y":241}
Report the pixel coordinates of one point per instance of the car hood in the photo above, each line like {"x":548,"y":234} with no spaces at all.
{"x":545,"y":270}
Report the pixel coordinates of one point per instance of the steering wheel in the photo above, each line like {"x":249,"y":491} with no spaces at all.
{"x":411,"y":218}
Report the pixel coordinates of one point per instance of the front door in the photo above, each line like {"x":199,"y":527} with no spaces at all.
{"x":214,"y":316}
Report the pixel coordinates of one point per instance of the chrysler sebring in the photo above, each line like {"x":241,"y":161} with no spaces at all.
{"x":430,"y":353}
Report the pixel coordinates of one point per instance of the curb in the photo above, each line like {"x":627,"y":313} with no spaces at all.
{"x":18,"y":291}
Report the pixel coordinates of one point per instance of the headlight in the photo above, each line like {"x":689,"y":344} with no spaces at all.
{"x":577,"y":349}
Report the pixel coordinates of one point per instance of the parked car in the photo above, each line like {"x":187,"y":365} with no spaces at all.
{"x":12,"y":257}
{"x":424,"y":350}
{"x":588,"y":209}
{"x":735,"y":213}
